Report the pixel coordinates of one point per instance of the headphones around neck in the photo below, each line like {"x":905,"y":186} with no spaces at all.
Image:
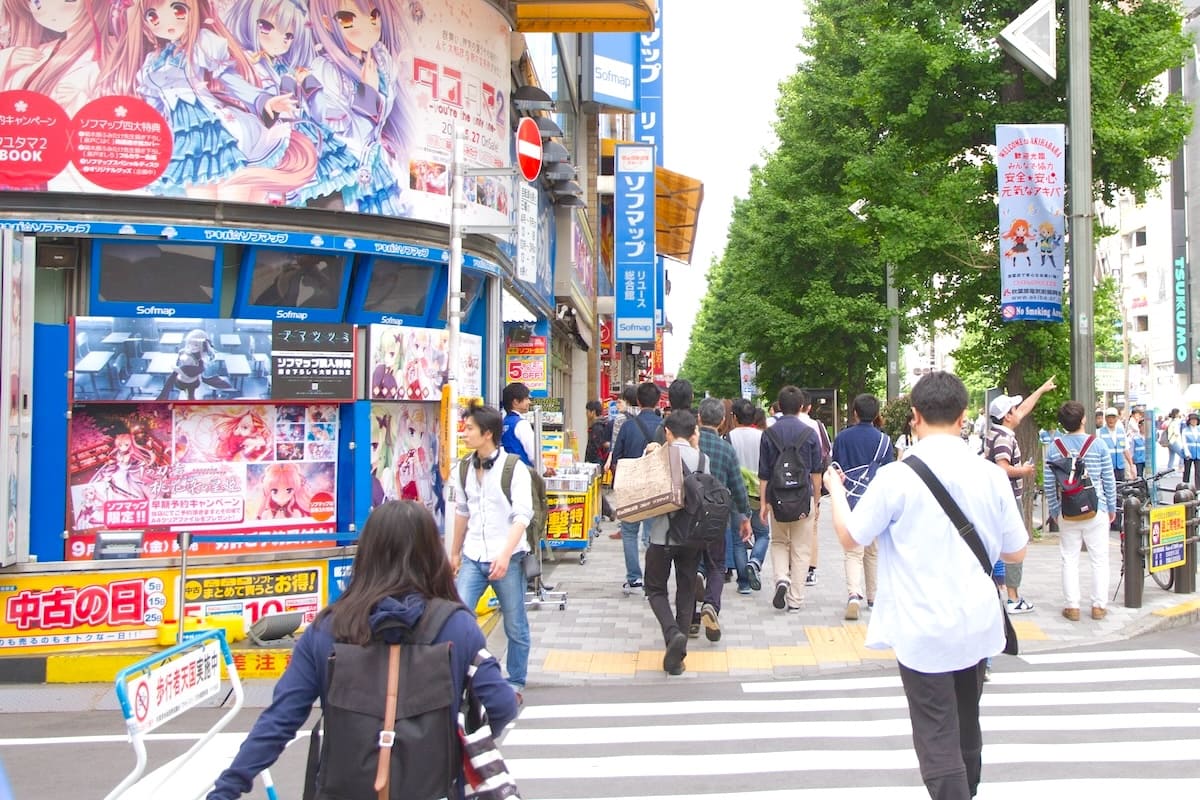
{"x":479,"y":463}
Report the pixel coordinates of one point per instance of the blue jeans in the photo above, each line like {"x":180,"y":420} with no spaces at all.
{"x":629,"y":541}
{"x":1176,"y":452}
{"x":757,"y":553}
{"x":472,"y":581}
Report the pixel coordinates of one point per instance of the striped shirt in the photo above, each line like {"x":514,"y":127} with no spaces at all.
{"x":1097,"y":461}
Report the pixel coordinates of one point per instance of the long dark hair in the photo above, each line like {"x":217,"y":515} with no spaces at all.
{"x":399,"y":553}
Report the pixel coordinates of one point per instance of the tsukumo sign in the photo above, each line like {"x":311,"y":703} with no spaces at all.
{"x":529,"y":148}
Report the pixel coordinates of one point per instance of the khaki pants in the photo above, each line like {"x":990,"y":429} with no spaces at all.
{"x":791,"y":546}
{"x":861,"y":566}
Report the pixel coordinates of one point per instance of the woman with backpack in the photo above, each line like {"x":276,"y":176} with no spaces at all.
{"x":400,"y":571}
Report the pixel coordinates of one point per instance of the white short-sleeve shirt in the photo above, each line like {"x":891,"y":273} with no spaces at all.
{"x":936,"y":607}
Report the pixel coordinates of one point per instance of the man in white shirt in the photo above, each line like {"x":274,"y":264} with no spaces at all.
{"x":489,"y":545}
{"x":936,"y":607}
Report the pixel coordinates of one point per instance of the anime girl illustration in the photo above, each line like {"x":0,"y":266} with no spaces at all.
{"x":123,"y":476}
{"x":179,"y":57}
{"x":280,"y":44}
{"x":285,"y":493}
{"x":89,"y":512}
{"x":194,"y":356}
{"x":382,"y":448}
{"x":390,"y":356}
{"x":243,"y":437}
{"x":1048,"y":242}
{"x":55,"y":48}
{"x":363,"y":95}
{"x":1018,"y":232}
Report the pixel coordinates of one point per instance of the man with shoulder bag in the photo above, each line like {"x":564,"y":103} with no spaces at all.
{"x":937,"y":607}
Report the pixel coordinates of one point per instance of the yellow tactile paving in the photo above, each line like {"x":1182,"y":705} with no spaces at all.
{"x":707,"y":661}
{"x":649,"y":660}
{"x":794,"y":656}
{"x":858,"y":636}
{"x":1029,"y":631}
{"x":568,"y":661}
{"x":831,"y":644}
{"x":1179,"y":610}
{"x":614,"y":663}
{"x":747,"y":658}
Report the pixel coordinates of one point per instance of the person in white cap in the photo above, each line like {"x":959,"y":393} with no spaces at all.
{"x":1001,"y":448}
{"x":1112,"y":433}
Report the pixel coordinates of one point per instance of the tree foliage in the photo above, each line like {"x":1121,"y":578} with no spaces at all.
{"x":896,"y":105}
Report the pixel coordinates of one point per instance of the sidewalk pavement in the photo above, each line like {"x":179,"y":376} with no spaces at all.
{"x":603,"y":635}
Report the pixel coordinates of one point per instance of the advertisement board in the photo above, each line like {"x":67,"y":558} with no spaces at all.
{"x":103,"y":609}
{"x":216,"y":105}
{"x":228,"y":468}
{"x":1031,"y":173}
{"x":404,"y":454}
{"x":634,"y":250}
{"x":528,"y":363}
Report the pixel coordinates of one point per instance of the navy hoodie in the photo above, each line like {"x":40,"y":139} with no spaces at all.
{"x":303,"y":682}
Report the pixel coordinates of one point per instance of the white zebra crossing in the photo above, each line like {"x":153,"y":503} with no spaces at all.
{"x":1057,"y":725}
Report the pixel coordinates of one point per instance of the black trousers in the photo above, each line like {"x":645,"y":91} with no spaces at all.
{"x":944,"y":710}
{"x":659,"y":560}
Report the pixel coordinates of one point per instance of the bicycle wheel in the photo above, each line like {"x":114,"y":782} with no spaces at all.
{"x":1164,"y":578}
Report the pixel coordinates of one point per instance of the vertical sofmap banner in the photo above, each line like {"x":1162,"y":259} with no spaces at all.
{"x":648,"y":127}
{"x":1031,"y":174}
{"x":634,"y":228}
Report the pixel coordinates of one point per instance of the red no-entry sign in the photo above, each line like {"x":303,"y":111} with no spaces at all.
{"x":529,"y":148}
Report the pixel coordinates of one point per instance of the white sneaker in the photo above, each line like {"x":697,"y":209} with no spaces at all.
{"x":1021,"y":606}
{"x":853,"y":605}
{"x":811,"y":578}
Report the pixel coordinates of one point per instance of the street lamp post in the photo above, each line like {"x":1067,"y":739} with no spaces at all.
{"x":1083,"y":349}
{"x":893,"y":308}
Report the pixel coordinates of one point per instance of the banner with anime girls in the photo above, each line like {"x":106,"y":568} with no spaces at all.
{"x":231,"y":468}
{"x":404,"y":455}
{"x":336,"y":104}
{"x":1031,"y":171}
{"x":410,"y":363}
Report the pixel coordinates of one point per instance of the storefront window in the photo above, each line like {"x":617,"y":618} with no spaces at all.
{"x":398,"y":288}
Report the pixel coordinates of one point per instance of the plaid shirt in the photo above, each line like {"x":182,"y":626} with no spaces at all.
{"x":723,"y":465}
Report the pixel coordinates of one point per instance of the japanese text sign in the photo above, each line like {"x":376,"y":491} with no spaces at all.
{"x":634,"y":229}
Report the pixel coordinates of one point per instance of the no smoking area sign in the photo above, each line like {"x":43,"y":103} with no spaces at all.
{"x":166,"y":691}
{"x":141,"y":702}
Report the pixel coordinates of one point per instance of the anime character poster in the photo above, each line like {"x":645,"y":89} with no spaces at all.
{"x":332,"y":104}
{"x":1031,"y":172}
{"x":407,"y":363}
{"x":404,"y":454}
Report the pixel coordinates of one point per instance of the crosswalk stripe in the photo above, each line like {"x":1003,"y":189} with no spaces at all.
{"x":832,"y":729}
{"x":988,"y":790}
{"x":1104,"y":655}
{"x":1074,"y":676}
{"x":806,"y":705}
{"x":657,"y":765}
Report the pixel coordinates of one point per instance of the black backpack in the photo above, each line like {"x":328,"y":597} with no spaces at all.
{"x":1076,"y":492}
{"x":789,"y":489}
{"x":426,"y":757}
{"x":707,"y":503}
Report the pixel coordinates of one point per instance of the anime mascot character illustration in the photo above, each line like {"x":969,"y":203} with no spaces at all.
{"x":179,"y":57}
{"x":384,"y":385}
{"x":125,"y":474}
{"x":363,"y":95}
{"x":285,"y":493}
{"x":193,"y":359}
{"x":1048,"y":241}
{"x":1018,"y":232}
{"x":280,"y":44}
{"x":242,"y":436}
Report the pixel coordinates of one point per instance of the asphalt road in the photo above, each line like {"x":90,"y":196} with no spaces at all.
{"x":1100,"y":721}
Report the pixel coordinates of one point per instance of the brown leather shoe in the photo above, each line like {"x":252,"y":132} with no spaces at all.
{"x":1099,"y":613}
{"x":1071,"y":614}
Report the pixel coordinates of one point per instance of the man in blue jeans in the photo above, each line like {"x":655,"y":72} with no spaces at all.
{"x":746,"y":439}
{"x":489,"y":545}
{"x":638,"y":431}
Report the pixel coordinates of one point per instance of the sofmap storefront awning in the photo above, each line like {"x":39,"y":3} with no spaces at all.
{"x":676,"y":207}
{"x":583,"y":16}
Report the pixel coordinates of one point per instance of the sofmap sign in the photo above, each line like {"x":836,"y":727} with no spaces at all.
{"x":649,"y":128}
{"x":634,"y":231}
{"x":1182,"y":351}
{"x":614,"y":63}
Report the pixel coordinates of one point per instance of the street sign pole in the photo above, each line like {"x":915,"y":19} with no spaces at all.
{"x":1083,"y":350}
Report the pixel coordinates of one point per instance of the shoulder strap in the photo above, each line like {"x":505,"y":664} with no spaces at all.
{"x":387,"y":736}
{"x":437,"y":611}
{"x":642,"y":427}
{"x":884,"y":444}
{"x":1086,"y":445}
{"x":506,"y":473}
{"x":965,"y":529}
{"x":464,"y":466}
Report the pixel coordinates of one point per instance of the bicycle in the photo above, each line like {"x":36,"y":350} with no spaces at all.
{"x":1140,"y":488}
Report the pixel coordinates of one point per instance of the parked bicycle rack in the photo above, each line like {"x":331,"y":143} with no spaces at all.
{"x":1139,"y":547}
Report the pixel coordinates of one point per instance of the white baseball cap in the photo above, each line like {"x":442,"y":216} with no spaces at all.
{"x":1003,"y":404}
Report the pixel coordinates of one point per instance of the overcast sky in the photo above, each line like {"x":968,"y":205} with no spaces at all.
{"x":722,"y":66}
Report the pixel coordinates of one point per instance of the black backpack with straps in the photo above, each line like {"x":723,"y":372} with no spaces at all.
{"x":426,"y":754}
{"x":789,"y":488}
{"x":707,"y":503}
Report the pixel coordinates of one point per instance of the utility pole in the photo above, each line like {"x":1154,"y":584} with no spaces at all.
{"x":1083,"y":348}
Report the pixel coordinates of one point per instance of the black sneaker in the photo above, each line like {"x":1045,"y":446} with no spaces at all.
{"x":673,"y":659}
{"x":811,"y":578}
{"x":712,"y":626}
{"x":752,"y":578}
{"x":780,"y":600}
{"x":694,"y":631}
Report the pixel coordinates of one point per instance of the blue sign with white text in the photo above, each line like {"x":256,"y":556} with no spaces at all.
{"x":634,"y":251}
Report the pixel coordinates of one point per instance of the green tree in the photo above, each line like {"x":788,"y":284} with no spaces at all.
{"x":896,"y":105}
